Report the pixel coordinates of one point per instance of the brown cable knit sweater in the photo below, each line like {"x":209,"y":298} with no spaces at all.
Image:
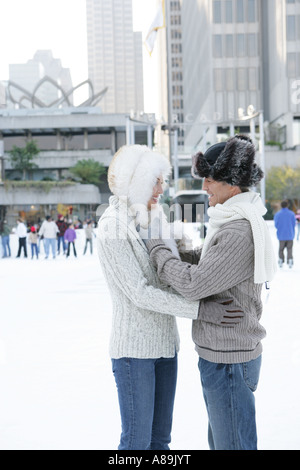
{"x":227,"y":271}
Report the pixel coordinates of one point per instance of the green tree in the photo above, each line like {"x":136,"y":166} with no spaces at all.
{"x":89,"y":171}
{"x":21,"y":158}
{"x":283,"y":183}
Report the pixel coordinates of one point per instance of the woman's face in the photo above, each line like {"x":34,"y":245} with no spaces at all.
{"x":157,"y":191}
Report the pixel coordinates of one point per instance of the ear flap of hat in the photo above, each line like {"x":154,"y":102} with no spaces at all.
{"x":201,"y":166}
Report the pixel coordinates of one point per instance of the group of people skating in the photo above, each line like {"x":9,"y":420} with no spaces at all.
{"x":56,"y":237}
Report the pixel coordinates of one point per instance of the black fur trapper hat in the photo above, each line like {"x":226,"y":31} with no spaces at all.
{"x":232,"y":162}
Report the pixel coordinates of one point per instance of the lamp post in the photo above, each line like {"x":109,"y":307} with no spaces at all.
{"x":251,"y":116}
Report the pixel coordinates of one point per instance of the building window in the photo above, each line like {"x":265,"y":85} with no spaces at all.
{"x":177,"y":62}
{"x":229,"y":45}
{"x":230,"y":82}
{"x":252,"y":45}
{"x":175,"y":6}
{"x":175,"y":19}
{"x":242,"y":79}
{"x":240,"y":45}
{"x":175,"y":33}
{"x":176,"y":48}
{"x":240,"y":11}
{"x":218,"y":80}
{"x":252,"y":79}
{"x":251,"y":11}
{"x":217,"y":14}
{"x":291,"y":27}
{"x":217,"y":45}
{"x":228,"y":11}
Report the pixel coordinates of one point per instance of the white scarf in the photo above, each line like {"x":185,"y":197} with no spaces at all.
{"x":247,"y":206}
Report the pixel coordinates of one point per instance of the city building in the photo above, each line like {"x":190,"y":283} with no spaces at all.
{"x":41,"y":76}
{"x":239,"y":54}
{"x":64,"y":136}
{"x":115,"y":55}
{"x":171,"y":93}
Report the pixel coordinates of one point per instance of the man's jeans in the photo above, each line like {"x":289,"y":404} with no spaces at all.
{"x":288,"y":244}
{"x":146,"y":390}
{"x":229,"y":398}
{"x":50,"y":242}
{"x":60,"y":241}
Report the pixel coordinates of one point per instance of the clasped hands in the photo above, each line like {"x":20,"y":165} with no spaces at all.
{"x":222,"y":312}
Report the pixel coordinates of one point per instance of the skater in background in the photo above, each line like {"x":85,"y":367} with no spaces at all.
{"x":62,"y":227}
{"x":49,"y":231}
{"x":70,"y":237}
{"x":144,"y":342}
{"x":5,"y":238}
{"x":285,"y":223}
{"x":21,"y":232}
{"x":33,"y":240}
{"x":89,"y":234}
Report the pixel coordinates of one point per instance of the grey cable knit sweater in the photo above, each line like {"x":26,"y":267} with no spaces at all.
{"x":227,"y":271}
{"x":144,"y":324}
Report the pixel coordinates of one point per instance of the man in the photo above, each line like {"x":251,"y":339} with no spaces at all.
{"x":285,"y":222}
{"x":22,"y":235}
{"x":236,"y":259}
{"x":49,"y":230}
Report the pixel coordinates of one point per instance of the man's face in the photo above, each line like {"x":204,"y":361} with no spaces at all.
{"x":219,"y":191}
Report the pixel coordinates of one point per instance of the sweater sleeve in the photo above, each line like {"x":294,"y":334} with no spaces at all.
{"x":119,"y":258}
{"x":228,"y":261}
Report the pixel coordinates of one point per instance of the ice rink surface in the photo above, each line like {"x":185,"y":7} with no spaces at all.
{"x":57,"y":390}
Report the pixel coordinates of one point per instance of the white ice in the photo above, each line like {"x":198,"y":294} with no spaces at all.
{"x":57,"y":390}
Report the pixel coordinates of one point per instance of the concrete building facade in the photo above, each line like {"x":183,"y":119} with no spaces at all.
{"x":63,"y":136}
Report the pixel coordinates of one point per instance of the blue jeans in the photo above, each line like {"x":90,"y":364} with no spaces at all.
{"x":34,"y":249}
{"x":61,"y":240}
{"x":146,"y":391}
{"x":6,"y":246}
{"x":229,"y":398}
{"x":50,"y":242}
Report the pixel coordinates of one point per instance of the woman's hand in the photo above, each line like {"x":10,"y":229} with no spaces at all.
{"x":221,"y":312}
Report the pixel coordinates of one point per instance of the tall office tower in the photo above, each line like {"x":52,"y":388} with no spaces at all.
{"x":238,"y":53}
{"x":115,"y":55}
{"x":221,"y":62}
{"x":281,"y":72}
{"x":29,"y":75}
{"x":170,"y":69}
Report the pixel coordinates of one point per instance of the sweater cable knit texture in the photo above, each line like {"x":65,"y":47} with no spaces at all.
{"x":144,"y":309}
{"x":227,"y":271}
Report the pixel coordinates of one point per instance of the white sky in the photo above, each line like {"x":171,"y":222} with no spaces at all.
{"x":60,"y":25}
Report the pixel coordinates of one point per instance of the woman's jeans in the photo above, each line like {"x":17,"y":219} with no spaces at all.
{"x":6,"y":246}
{"x":229,"y":398}
{"x":146,"y":390}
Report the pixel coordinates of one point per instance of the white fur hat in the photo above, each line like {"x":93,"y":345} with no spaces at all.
{"x":133,"y":173}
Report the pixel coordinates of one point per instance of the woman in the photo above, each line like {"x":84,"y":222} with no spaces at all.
{"x":5,"y":233}
{"x":144,"y":340}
